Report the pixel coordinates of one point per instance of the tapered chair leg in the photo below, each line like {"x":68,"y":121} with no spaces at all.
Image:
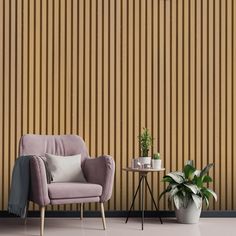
{"x":81,"y":211}
{"x":42,"y":221}
{"x":103,"y":216}
{"x":26,"y":213}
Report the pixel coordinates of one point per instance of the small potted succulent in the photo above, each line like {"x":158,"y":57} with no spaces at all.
{"x":156,"y":161}
{"x":187,"y":191}
{"x":145,"y":142}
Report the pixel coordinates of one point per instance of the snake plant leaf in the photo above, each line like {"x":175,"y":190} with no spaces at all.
{"x":198,"y":181}
{"x":172,"y":192}
{"x":168,"y":179}
{"x":189,"y":162}
{"x":183,"y":193}
{"x":192,"y":187}
{"x":176,"y":177}
{"x":206,"y":201}
{"x":168,"y":189}
{"x":185,"y":201}
{"x":179,"y":173}
{"x":197,"y":200}
{"x":188,"y":172}
{"x":206,"y":179}
{"x":205,"y":192}
{"x":212,"y":193}
{"x":177,"y":201}
{"x":197,"y":173}
{"x":206,"y":169}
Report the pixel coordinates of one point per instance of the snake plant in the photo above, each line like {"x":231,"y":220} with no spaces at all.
{"x":189,"y":185}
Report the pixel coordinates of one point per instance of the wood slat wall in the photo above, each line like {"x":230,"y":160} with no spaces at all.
{"x":104,"y":69}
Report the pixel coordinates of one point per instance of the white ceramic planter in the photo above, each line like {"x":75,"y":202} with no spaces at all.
{"x":156,"y":164}
{"x":145,"y":160}
{"x":189,"y":215}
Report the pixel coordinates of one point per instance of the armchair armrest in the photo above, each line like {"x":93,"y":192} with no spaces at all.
{"x":39,"y":188}
{"x":101,"y":171}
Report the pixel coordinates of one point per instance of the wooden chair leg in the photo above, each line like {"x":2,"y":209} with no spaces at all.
{"x":26,"y":213}
{"x":81,"y":211}
{"x":103,"y":216}
{"x":42,"y":221}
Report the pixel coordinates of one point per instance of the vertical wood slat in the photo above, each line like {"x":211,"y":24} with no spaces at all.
{"x":56,"y":66}
{"x":167,"y":86}
{"x":155,"y":87}
{"x":191,"y":91}
{"x":1,"y":97}
{"x":105,"y":86}
{"x":124,"y":99}
{"x":118,"y":78}
{"x":6,"y":101}
{"x":161,"y":91}
{"x":149,"y":67}
{"x":43,"y":75}
{"x":223,"y":92}
{"x":93,"y":80}
{"x":136,"y":56}
{"x":111,"y":99}
{"x":74,"y":70}
{"x":130,"y":75}
{"x":229,"y":98}
{"x":233,"y":102}
{"x":217,"y":101}
{"x":12,"y":87}
{"x":210,"y":110}
{"x":186,"y":82}
{"x":104,"y":69}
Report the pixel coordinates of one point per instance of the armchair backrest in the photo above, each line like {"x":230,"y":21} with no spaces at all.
{"x":62,"y":145}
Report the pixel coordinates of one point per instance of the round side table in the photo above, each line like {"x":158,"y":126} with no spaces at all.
{"x":142,"y":180}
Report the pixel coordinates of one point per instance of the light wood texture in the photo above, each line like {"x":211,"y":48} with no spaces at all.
{"x":103,"y":69}
{"x":42,"y":218}
{"x":103,"y":216}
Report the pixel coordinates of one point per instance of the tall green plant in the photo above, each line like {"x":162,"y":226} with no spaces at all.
{"x":189,"y":185}
{"x":145,"y":142}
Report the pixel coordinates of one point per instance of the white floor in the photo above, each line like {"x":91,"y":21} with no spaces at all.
{"x":117,"y":227}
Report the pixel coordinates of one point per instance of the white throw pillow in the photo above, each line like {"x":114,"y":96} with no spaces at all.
{"x":65,"y":168}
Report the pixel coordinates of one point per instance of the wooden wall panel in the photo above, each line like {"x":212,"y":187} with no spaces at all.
{"x":103,"y":69}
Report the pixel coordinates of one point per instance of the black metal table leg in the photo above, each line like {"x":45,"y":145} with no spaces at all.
{"x":150,"y":191}
{"x":141,"y":185}
{"x":142,"y":200}
{"x":140,"y":180}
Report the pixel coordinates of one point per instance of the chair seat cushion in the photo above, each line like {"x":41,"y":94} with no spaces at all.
{"x":73,"y":190}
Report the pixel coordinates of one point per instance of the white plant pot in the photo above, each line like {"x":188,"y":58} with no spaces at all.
{"x":156,"y":164}
{"x":145,"y":160}
{"x":189,"y":215}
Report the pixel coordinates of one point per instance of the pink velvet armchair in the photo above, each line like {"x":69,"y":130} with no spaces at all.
{"x":99,"y":173}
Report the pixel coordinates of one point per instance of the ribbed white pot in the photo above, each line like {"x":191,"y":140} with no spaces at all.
{"x":189,"y":215}
{"x":156,"y":164}
{"x":145,"y":160}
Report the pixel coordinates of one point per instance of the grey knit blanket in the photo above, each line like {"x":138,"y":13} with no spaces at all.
{"x":20,"y":185}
